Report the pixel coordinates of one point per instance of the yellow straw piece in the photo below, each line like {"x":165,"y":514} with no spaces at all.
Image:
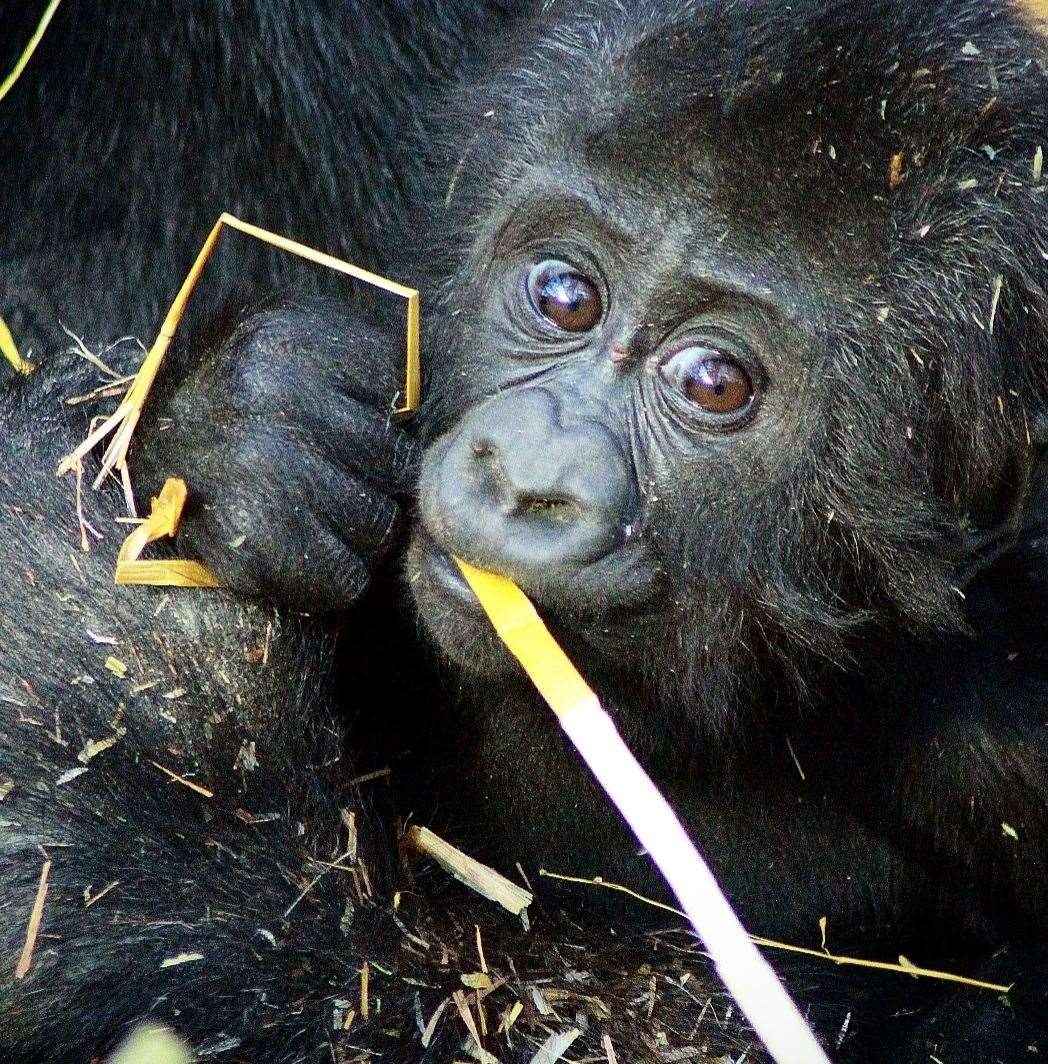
{"x":1035,"y":9}
{"x":9,"y":349}
{"x":521,"y":629}
{"x":122,"y":422}
{"x":770,"y":943}
{"x":163,"y":520}
{"x":23,"y":59}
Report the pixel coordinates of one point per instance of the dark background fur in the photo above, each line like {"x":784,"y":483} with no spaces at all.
{"x":918,"y":713}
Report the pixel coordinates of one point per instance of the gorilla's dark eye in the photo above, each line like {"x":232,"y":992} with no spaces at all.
{"x":564,"y":296}
{"x":709,"y":380}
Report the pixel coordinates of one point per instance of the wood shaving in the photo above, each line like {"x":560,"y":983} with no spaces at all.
{"x":470,"y":872}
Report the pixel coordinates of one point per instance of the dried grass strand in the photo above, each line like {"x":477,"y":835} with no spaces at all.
{"x":9,"y":349}
{"x":470,"y":872}
{"x":25,"y":961}
{"x":120,"y":425}
{"x":202,"y":791}
{"x":163,"y":520}
{"x":41,"y":28}
{"x":769,"y":943}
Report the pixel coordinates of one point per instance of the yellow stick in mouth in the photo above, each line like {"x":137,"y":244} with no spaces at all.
{"x":747,"y":975}
{"x":519,"y":626}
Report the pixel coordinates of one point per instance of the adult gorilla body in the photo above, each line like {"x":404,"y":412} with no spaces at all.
{"x":736,"y":330}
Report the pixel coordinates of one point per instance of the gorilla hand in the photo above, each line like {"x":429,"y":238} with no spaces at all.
{"x":284,"y":434}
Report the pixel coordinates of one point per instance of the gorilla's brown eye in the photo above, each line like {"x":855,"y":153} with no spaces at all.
{"x":564,"y":296}
{"x":709,"y":380}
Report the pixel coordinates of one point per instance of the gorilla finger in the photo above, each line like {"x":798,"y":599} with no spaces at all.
{"x":319,"y":346}
{"x":349,"y":434}
{"x":234,"y":529}
{"x":361,"y":517}
{"x":359,"y":437}
{"x":318,"y":576}
{"x":306,"y":567}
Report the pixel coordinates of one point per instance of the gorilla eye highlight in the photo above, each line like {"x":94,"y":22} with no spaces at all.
{"x":712,"y":382}
{"x":564,"y":297}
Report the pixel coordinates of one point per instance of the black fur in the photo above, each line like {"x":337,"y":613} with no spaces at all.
{"x":822,"y":632}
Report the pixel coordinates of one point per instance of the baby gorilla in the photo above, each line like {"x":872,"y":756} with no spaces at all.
{"x":734,"y":336}
{"x":735,"y":330}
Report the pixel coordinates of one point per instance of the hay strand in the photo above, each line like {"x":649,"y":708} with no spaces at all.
{"x":120,"y":425}
{"x":9,"y":349}
{"x":769,"y":943}
{"x":163,"y":520}
{"x":45,"y":20}
{"x":467,"y":870}
{"x":25,"y":961}
{"x":175,"y":777}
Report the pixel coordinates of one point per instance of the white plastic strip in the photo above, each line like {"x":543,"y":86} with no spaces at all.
{"x":747,"y":975}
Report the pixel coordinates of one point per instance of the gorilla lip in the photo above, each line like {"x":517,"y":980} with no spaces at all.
{"x":437,"y":567}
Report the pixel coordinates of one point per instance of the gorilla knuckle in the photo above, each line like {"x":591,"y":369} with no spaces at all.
{"x":255,"y":382}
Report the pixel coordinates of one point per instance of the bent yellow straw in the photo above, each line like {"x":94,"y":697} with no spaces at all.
{"x":122,"y":422}
{"x":163,"y":520}
{"x":9,"y":349}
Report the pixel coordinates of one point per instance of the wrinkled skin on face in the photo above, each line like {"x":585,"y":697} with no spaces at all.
{"x":604,"y":469}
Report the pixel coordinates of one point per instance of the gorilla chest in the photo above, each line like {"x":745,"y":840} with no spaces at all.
{"x":784,"y":857}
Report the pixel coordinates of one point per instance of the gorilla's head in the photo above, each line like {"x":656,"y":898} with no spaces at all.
{"x":741,"y":332}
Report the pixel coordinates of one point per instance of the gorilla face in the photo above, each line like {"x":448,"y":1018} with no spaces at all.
{"x":637,"y":378}
{"x":711,"y":379}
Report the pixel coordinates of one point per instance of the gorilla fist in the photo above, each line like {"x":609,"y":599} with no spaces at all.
{"x":290,"y":415}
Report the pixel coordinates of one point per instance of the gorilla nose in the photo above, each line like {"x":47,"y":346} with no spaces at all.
{"x":523,"y":487}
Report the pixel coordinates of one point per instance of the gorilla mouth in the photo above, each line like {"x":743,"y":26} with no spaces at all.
{"x":438,"y":568}
{"x":454,"y":618}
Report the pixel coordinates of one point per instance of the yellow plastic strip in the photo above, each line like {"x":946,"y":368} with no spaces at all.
{"x":9,"y":349}
{"x":23,"y":59}
{"x":518,"y":625}
{"x":748,"y":976}
{"x":163,"y":520}
{"x":122,"y":422}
